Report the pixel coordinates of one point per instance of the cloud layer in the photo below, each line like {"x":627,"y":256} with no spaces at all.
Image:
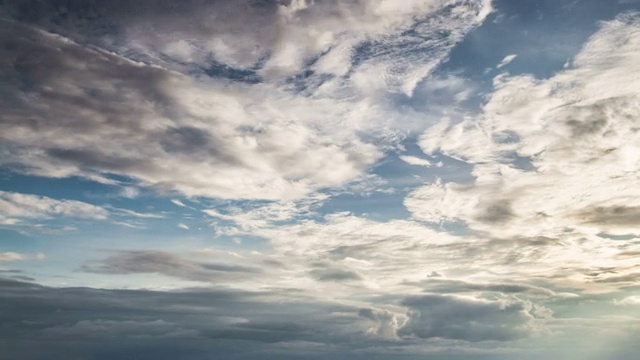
{"x":94,"y":112}
{"x":309,"y":179}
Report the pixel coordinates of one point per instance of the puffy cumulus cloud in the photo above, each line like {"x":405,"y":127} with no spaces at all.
{"x":454,"y":317}
{"x":15,"y":208}
{"x":554,"y":158}
{"x":386,"y":323}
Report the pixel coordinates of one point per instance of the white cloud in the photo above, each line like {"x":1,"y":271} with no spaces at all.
{"x":555,"y":166}
{"x":542,"y":149}
{"x":266,"y":215}
{"x":178,"y":203}
{"x":15,"y":207}
{"x":207,"y":137}
{"x":135,"y":214}
{"x":129,"y":192}
{"x":13,"y":256}
{"x":630,"y":300}
{"x":412,"y":160}
{"x":507,"y":60}
{"x":263,"y":144}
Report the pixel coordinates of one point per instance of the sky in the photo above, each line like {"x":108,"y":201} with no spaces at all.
{"x":320,"y":179}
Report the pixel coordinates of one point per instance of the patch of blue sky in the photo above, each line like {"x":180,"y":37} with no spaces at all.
{"x":220,"y":70}
{"x":242,"y":242}
{"x":126,"y":194}
{"x":73,"y":188}
{"x":306,"y":82}
{"x":15,"y":241}
{"x":625,"y":237}
{"x":400,"y":178}
{"x":544,"y":35}
{"x":410,"y":45}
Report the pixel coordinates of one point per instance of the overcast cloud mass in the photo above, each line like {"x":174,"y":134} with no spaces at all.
{"x":320,"y":179}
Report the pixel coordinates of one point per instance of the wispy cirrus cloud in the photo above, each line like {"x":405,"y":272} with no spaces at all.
{"x":17,"y":207}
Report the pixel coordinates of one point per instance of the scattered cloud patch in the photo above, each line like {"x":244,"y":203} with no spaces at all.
{"x":412,"y":160}
{"x":507,"y":60}
{"x":13,"y":256}
{"x":17,"y":207}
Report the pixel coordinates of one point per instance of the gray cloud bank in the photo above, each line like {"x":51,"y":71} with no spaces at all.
{"x":41,"y":322}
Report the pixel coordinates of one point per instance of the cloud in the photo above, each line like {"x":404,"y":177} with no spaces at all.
{"x":162,"y":325}
{"x":507,"y":60}
{"x":11,"y":256}
{"x":630,"y":300}
{"x":278,"y":38}
{"x":454,"y":317}
{"x":178,"y":203}
{"x":542,"y":149}
{"x":107,"y":329}
{"x":15,"y":208}
{"x":143,"y":108}
{"x":444,"y":286}
{"x":196,"y":267}
{"x":337,"y":275}
{"x":412,"y":160}
{"x":135,"y":214}
{"x":252,"y":150}
{"x":386,"y":322}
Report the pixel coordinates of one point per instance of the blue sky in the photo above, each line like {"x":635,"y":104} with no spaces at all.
{"x":298,"y":179}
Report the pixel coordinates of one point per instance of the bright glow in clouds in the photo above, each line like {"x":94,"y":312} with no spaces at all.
{"x":300,"y":179}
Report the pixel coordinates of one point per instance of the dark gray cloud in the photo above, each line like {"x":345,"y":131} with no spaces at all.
{"x":335,"y":274}
{"x":243,"y":40}
{"x":633,"y":278}
{"x":496,"y":212}
{"x":611,"y":215}
{"x":386,"y":322}
{"x":169,"y":264}
{"x":444,"y":286}
{"x":143,"y":29}
{"x":40,"y":322}
{"x":453,"y":317}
